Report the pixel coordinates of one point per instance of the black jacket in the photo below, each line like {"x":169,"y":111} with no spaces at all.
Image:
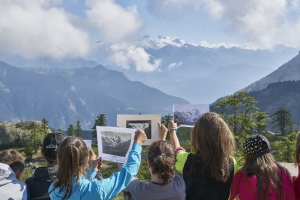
{"x":39,"y":183}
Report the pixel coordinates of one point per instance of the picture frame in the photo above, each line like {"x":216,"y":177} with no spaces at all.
{"x":188,"y":114}
{"x":147,"y":123}
{"x":114,"y":143}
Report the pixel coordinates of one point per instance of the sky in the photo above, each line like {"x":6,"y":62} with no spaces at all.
{"x":59,"y":28}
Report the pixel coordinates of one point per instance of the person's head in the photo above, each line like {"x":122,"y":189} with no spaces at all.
{"x":50,"y":146}
{"x":15,"y":161}
{"x":72,"y":159}
{"x":297,"y":151}
{"x":161,"y":160}
{"x":260,"y":162}
{"x":213,"y":141}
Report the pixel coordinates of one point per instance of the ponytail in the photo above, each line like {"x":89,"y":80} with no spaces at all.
{"x":72,"y":155}
{"x":162,"y":160}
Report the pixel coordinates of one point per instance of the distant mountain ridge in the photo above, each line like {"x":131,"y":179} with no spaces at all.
{"x":277,"y":95}
{"x":190,"y":70}
{"x":63,"y":96}
{"x":286,"y":72}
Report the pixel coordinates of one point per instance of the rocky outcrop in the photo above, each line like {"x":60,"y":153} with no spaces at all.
{"x":16,"y":133}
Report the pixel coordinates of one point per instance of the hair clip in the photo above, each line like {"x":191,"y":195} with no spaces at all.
{"x":163,"y":154}
{"x":71,"y":143}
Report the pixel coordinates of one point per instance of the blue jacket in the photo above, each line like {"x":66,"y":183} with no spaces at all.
{"x":105,"y":188}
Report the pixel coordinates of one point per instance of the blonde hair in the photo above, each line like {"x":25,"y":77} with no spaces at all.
{"x":213,"y":142}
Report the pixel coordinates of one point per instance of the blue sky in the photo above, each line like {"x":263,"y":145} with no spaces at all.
{"x":192,"y":25}
{"x":59,"y":28}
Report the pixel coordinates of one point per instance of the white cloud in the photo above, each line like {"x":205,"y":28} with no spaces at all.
{"x":38,"y":28}
{"x":126,"y":55}
{"x":44,"y":28}
{"x":113,"y":21}
{"x":267,"y":22}
{"x":251,"y":46}
{"x":173,"y":65}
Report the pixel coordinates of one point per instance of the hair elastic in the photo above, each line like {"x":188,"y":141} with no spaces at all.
{"x":163,"y":154}
{"x":71,"y":143}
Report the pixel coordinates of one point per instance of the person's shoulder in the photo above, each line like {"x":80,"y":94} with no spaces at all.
{"x":137,"y":183}
{"x":29,"y":180}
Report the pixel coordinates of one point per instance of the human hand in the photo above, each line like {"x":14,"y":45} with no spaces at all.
{"x":162,"y":131}
{"x":172,"y":125}
{"x":140,"y":137}
{"x":92,"y":155}
{"x":96,"y":164}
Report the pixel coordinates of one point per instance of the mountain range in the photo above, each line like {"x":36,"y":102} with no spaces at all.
{"x":281,"y":88}
{"x":63,"y":96}
{"x":196,"y":71}
{"x":200,"y":73}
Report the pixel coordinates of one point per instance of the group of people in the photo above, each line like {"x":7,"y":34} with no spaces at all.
{"x":207,"y":172}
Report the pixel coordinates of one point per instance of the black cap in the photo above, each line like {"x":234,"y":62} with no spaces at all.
{"x":254,"y":145}
{"x":51,"y":143}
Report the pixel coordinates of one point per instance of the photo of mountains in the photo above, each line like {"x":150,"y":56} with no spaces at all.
{"x":115,"y":143}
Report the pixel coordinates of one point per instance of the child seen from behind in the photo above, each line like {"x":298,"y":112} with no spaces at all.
{"x":72,"y":158}
{"x":261,"y":177}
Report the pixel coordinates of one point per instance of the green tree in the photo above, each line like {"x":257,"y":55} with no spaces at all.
{"x":100,"y":121}
{"x":36,"y":138}
{"x":44,"y":127}
{"x":71,"y":130}
{"x":78,"y":129}
{"x":284,"y":146}
{"x":261,"y":119}
{"x":165,"y":119}
{"x":282,"y":119}
{"x":28,"y":151}
{"x":239,"y":111}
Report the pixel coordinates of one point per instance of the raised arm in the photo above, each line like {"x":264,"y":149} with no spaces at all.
{"x":162,"y":131}
{"x":172,"y":126}
{"x":110,"y":187}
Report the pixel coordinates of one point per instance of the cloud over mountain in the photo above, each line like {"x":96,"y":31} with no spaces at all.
{"x":267,"y":22}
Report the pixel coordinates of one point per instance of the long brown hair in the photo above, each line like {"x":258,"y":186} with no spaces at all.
{"x":266,"y":170}
{"x":72,"y":155}
{"x":162,"y":160}
{"x":213,"y":142}
{"x":297,"y":151}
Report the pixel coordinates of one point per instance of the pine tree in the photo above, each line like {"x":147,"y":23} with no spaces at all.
{"x":78,"y":130}
{"x":71,"y":130}
{"x":44,"y":127}
{"x":100,"y":121}
{"x":165,"y":119}
{"x":261,"y":119}
{"x":282,"y":119}
{"x":36,"y":138}
{"x":239,"y":111}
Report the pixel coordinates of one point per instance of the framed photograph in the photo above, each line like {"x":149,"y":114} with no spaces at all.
{"x":189,"y":114}
{"x":147,"y":123}
{"x":114,"y":143}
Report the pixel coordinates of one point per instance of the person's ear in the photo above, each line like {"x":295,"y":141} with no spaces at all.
{"x":19,"y":173}
{"x":149,"y":165}
{"x":86,"y":162}
{"x":42,"y":153}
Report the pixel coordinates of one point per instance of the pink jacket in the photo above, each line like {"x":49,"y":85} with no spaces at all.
{"x":296,"y":183}
{"x":246,"y":187}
